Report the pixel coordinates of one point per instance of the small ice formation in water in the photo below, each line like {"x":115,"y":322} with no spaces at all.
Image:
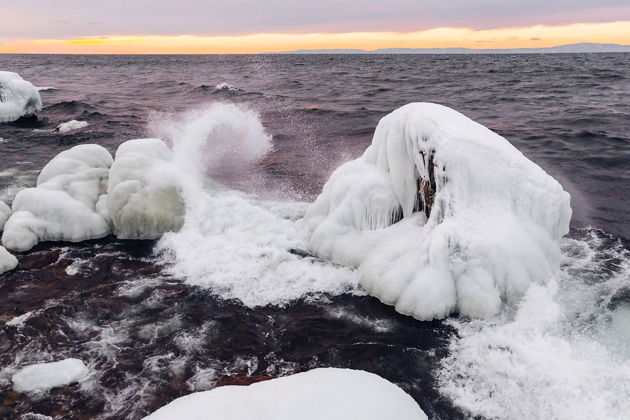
{"x":327,"y":393}
{"x":18,"y":98}
{"x":226,"y":86}
{"x":7,"y":261}
{"x":44,"y":376}
{"x":441,"y":215}
{"x":66,"y":205}
{"x":71,"y":126}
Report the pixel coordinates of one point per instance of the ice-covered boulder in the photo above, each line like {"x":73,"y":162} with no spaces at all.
{"x":7,"y":261}
{"x":71,"y":125}
{"x":44,"y":376}
{"x":18,"y":98}
{"x":145,"y":191}
{"x":441,"y":215}
{"x":69,"y":202}
{"x":328,"y":393}
{"x":5,"y":212}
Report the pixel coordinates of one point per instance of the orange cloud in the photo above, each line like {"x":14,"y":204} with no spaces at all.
{"x":533,"y":36}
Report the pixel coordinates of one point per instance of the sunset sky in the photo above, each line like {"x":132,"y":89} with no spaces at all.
{"x":248,"y":26}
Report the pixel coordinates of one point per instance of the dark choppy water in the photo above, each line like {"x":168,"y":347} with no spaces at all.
{"x":150,"y":338}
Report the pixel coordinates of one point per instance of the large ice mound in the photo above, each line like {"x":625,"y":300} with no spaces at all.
{"x":441,"y":215}
{"x":331,"y":394}
{"x":44,"y":376}
{"x":18,"y":98}
{"x":68,"y":203}
{"x":145,"y":191}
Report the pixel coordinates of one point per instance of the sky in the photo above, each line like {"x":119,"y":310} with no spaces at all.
{"x":248,"y":26}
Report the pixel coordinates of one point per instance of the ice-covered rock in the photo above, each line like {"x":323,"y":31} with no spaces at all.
{"x":328,"y":393}
{"x":5,"y":212}
{"x":69,"y":202}
{"x":18,"y":98}
{"x":71,"y":125}
{"x":44,"y":376}
{"x":7,"y":261}
{"x":441,"y":215}
{"x":145,"y":191}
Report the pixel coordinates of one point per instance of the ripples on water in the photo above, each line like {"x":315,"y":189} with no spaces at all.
{"x":149,"y":338}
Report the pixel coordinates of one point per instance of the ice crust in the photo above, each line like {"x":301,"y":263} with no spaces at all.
{"x":145,"y":191}
{"x":5,"y":212}
{"x":44,"y":376}
{"x":7,"y":261}
{"x":71,"y":125}
{"x":18,"y":98}
{"x":66,"y":204}
{"x":492,"y":229}
{"x":327,"y":393}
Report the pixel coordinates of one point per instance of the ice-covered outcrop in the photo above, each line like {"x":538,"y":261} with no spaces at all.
{"x":68,"y":204}
{"x":331,"y":394}
{"x":71,"y":125}
{"x":7,"y":261}
{"x":5,"y":212}
{"x":441,"y":215}
{"x":44,"y":376}
{"x":145,"y":191}
{"x":18,"y":98}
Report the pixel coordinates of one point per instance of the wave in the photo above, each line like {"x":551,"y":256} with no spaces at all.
{"x":563,"y":354}
{"x":234,"y":244}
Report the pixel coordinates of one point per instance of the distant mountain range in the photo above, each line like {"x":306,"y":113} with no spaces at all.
{"x":584,"y":47}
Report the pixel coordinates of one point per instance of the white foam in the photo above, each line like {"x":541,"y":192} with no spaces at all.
{"x":18,"y":98}
{"x":230,"y":242}
{"x":44,"y":376}
{"x":329,"y":393}
{"x":561,"y":355}
{"x":492,"y":230}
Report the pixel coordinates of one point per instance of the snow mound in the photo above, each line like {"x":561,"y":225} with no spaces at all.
{"x":441,"y":215}
{"x":5,"y":212}
{"x":332,"y":394}
{"x":68,"y":203}
{"x":7,"y":261}
{"x":71,"y":125}
{"x":145,"y":191}
{"x":18,"y":98}
{"x":44,"y":376}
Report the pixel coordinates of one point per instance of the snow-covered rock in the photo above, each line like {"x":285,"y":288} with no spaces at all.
{"x":441,"y":215}
{"x":7,"y":261}
{"x":68,"y":204}
{"x":18,"y":98}
{"x":5,"y":212}
{"x":329,"y":393}
{"x":145,"y":191}
{"x":44,"y":376}
{"x":71,"y":125}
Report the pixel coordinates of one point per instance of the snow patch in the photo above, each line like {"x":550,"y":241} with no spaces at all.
{"x":332,"y":394}
{"x":18,"y":98}
{"x":441,"y":215}
{"x":44,"y":376}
